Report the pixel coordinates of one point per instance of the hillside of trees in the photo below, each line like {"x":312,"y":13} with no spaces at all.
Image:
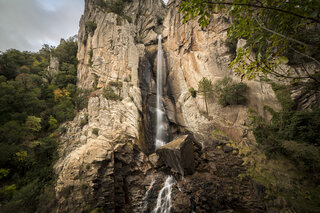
{"x":34,"y":101}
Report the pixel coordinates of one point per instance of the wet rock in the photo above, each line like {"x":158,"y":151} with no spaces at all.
{"x":178,"y":155}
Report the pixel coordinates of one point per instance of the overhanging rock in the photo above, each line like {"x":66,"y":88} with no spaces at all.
{"x":178,"y":155}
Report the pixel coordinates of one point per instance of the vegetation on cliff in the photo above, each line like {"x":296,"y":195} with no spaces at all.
{"x":277,"y":34}
{"x":281,"y":42}
{"x":34,"y":101}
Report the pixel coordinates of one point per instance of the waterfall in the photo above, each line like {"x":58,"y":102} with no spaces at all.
{"x":159,"y":110}
{"x":164,"y":197}
{"x":146,"y":196}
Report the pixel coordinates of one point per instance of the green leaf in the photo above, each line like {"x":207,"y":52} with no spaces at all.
{"x":283,"y":60}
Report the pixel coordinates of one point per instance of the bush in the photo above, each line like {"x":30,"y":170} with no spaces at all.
{"x":90,"y":27}
{"x":119,"y":20}
{"x":63,"y":129}
{"x":109,"y":94}
{"x":230,"y":93}
{"x":193,"y":92}
{"x":90,"y":57}
{"x":117,"y":84}
{"x":84,"y":121}
{"x":95,"y":131}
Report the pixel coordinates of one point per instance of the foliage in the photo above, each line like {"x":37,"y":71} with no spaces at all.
{"x":270,"y":43}
{"x":292,"y":135}
{"x":84,"y":121}
{"x":193,"y":92}
{"x":52,"y":122}
{"x":4,"y":173}
{"x":33,"y":123}
{"x":117,"y":84}
{"x":109,"y":93}
{"x":31,"y":108}
{"x":91,"y":27}
{"x":90,"y":57}
{"x":230,"y":93}
{"x":95,"y":131}
{"x":95,"y":81}
{"x":115,"y":6}
{"x":205,"y":89}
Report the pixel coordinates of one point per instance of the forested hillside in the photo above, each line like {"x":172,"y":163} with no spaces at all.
{"x":34,"y":101}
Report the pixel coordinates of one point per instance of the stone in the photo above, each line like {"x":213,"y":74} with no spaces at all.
{"x":155,"y":160}
{"x":178,"y":155}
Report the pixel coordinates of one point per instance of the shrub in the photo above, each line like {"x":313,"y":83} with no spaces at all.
{"x":193,"y":92}
{"x":90,"y":27}
{"x":117,"y":84}
{"x":63,"y":129}
{"x":84,"y":121}
{"x":109,"y":93}
{"x":95,"y":131}
{"x":230,"y":93}
{"x":119,"y":20}
{"x":129,"y":19}
{"x":90,"y":57}
{"x":95,"y":81}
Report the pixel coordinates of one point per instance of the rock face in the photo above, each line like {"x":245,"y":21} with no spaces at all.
{"x":178,"y":155}
{"x":103,"y":163}
{"x":98,"y":153}
{"x":192,"y":54}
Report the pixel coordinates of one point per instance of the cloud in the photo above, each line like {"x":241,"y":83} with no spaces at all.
{"x":27,"y":25}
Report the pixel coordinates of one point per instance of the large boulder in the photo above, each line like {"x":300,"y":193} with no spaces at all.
{"x":178,"y":155}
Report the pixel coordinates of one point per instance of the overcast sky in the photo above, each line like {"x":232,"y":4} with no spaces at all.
{"x":28,"y":24}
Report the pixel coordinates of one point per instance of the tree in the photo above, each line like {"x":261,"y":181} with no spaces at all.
{"x":229,"y":92}
{"x":205,"y":89}
{"x":33,"y":123}
{"x":277,"y":32}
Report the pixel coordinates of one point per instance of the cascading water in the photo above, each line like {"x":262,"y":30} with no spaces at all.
{"x":146,"y":196}
{"x":160,"y":113}
{"x":164,"y":197}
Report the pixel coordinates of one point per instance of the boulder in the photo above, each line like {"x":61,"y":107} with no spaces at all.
{"x":178,"y":155}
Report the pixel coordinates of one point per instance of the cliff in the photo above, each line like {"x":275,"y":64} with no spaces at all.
{"x":103,"y":157}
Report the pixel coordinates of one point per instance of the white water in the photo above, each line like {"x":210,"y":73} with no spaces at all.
{"x":164,"y":197}
{"x":160,"y":113}
{"x":146,"y":196}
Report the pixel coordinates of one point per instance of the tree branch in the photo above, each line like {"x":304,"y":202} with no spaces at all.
{"x":281,"y":35}
{"x":305,"y":55}
{"x":265,"y":7}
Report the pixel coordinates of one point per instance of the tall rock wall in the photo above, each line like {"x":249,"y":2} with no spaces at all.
{"x":193,"y":53}
{"x":94,"y":170}
{"x":102,"y":157}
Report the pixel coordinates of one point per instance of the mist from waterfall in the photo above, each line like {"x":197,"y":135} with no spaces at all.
{"x":164,"y":197}
{"x":159,"y":141}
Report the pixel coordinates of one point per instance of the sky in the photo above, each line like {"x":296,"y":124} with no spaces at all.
{"x":28,"y":24}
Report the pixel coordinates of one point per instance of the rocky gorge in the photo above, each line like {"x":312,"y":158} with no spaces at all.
{"x":107,"y":157}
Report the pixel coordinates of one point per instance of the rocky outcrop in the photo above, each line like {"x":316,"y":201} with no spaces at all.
{"x":218,"y":184}
{"x":104,"y":146}
{"x":194,"y":53}
{"x":102,"y":162}
{"x":178,"y":155}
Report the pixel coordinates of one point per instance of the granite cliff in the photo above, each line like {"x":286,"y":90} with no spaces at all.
{"x":105,"y":158}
